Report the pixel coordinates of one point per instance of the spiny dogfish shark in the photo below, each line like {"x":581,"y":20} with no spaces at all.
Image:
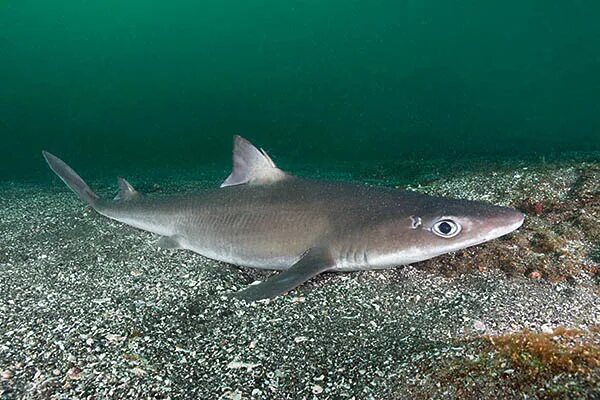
{"x":263,"y":217}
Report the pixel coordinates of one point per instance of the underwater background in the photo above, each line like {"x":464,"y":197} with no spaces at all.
{"x":116,"y":86}
{"x":497,"y":101}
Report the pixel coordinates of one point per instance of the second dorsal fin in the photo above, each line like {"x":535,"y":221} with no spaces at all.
{"x":251,"y":165}
{"x":126,"y":191}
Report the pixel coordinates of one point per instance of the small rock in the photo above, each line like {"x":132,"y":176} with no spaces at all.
{"x":478,"y":325}
{"x":114,"y":338}
{"x":6,"y":374}
{"x":237,"y":395}
{"x":242,"y":364}
{"x":138,"y":371}
{"x":535,"y":275}
{"x":547,"y":328}
{"x":316,"y":389}
{"x":74,"y":373}
{"x":300,"y":339}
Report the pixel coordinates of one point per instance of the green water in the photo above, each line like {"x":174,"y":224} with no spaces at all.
{"x":132,"y":84}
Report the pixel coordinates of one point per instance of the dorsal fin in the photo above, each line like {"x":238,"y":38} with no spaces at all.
{"x":126,"y":191}
{"x":251,"y":165}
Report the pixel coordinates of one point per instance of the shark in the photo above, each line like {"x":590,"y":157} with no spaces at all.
{"x":263,"y":217}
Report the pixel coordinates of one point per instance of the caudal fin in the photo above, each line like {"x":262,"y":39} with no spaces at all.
{"x":71,"y":178}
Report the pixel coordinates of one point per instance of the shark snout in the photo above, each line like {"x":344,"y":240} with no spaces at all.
{"x":507,"y":221}
{"x":518,"y":218}
{"x":513,"y":219}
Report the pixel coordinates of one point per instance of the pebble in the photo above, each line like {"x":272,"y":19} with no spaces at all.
{"x":242,"y":364}
{"x":300,"y":339}
{"x":74,"y":373}
{"x":317,"y":389}
{"x":114,"y":338}
{"x":479,"y":326}
{"x":535,"y":275}
{"x":7,"y":374}
{"x":547,"y":328}
{"x":138,"y":371}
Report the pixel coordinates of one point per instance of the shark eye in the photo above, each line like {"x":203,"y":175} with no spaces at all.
{"x":446,"y":228}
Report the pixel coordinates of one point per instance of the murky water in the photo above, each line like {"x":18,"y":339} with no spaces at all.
{"x":121,"y":85}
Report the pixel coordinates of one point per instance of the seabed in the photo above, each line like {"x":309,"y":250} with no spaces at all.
{"x":90,"y":308}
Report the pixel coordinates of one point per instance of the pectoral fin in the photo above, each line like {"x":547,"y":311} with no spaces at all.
{"x":312,"y":263}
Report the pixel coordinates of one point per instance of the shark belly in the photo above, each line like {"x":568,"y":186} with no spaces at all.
{"x":267,"y":238}
{"x":249,"y":233}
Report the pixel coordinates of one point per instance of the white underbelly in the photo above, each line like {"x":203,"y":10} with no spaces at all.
{"x":231,"y":255}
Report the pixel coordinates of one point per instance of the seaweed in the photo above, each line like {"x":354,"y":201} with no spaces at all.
{"x":562,"y":364}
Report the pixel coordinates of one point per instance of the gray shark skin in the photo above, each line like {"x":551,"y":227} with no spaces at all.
{"x":262,"y":217}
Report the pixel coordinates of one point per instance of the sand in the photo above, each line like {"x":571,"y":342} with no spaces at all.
{"x":90,"y":308}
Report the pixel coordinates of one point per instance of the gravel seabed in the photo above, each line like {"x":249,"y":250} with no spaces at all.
{"x":90,"y":308}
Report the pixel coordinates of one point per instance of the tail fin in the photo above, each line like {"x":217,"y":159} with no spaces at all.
{"x":70,"y":177}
